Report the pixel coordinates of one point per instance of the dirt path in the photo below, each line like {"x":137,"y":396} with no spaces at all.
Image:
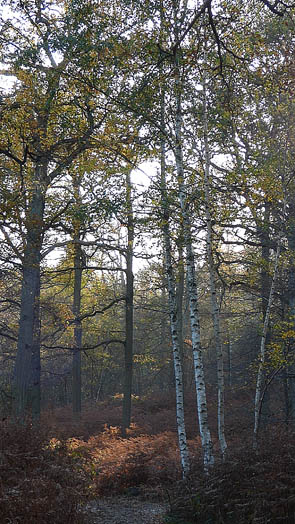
{"x":125,"y":510}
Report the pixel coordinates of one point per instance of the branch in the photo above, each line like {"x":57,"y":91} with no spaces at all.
{"x":103,"y":343}
{"x":206,"y":5}
{"x":82,"y":144}
{"x":10,"y":243}
{"x":8,"y":153}
{"x":83,"y":243}
{"x":99,"y":311}
{"x":10,"y":301}
{"x":10,"y":337}
{"x":273,"y":7}
{"x":96,"y":268}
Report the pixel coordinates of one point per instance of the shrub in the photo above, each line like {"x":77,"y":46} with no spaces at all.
{"x":117,"y":464}
{"x":40,"y":481}
{"x":249,"y":488}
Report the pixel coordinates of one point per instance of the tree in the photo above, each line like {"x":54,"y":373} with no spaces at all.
{"x":174,"y":312}
{"x":128,"y":346}
{"x":51,"y":129}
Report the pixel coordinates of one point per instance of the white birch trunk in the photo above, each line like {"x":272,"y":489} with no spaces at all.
{"x":259,"y":382}
{"x":192,"y":285}
{"x":213,"y":279}
{"x":196,"y":340}
{"x":182,"y":440}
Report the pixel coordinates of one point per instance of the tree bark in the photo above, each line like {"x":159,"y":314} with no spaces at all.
{"x":291,"y":303}
{"x":76,"y":363}
{"x":173,"y":313}
{"x":192,"y":285}
{"x":128,"y":347}
{"x":213,"y":280}
{"x":27,"y":365}
{"x":78,"y":270}
{"x":179,"y":299}
{"x":260,"y":373}
{"x":264,"y":236}
{"x":36,"y":361}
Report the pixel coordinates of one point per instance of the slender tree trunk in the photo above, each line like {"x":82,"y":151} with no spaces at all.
{"x":291,"y":303}
{"x":179,"y":299}
{"x":197,"y":353}
{"x":126,"y":418}
{"x":213,"y":281}
{"x":76,"y":363}
{"x":192,"y":285}
{"x":264,"y":235}
{"x":173,"y":313}
{"x":259,"y":382}
{"x":27,"y":366}
{"x":78,"y":269}
{"x":229,"y":356}
{"x":101,"y":379}
{"x":163,"y":334}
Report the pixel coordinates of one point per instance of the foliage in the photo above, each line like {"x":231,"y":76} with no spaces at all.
{"x":40,"y":483}
{"x":48,"y":476}
{"x":248,"y":487}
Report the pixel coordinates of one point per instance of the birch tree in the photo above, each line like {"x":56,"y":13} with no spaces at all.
{"x":190,"y":259}
{"x":213,"y":276}
{"x":259,"y":382}
{"x":173,"y":305}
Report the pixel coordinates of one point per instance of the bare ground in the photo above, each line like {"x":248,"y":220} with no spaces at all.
{"x":125,"y":510}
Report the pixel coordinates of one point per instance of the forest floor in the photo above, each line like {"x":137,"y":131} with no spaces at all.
{"x":125,"y":510}
{"x":64,"y":472}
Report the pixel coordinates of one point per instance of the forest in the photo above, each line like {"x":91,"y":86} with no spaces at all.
{"x":147,"y":261}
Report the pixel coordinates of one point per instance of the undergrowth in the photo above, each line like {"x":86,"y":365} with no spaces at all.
{"x":39,"y":481}
{"x":48,"y":475}
{"x":117,"y":464}
{"x":249,"y":487}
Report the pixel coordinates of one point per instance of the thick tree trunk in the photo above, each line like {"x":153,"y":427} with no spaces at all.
{"x":27,"y":366}
{"x":36,"y":361}
{"x":127,"y":394}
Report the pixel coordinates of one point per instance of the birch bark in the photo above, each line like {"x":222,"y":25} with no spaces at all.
{"x":195,"y":329}
{"x":259,"y":382}
{"x":213,"y":279}
{"x":191,"y":276}
{"x":182,"y":440}
{"x":173,"y":306}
